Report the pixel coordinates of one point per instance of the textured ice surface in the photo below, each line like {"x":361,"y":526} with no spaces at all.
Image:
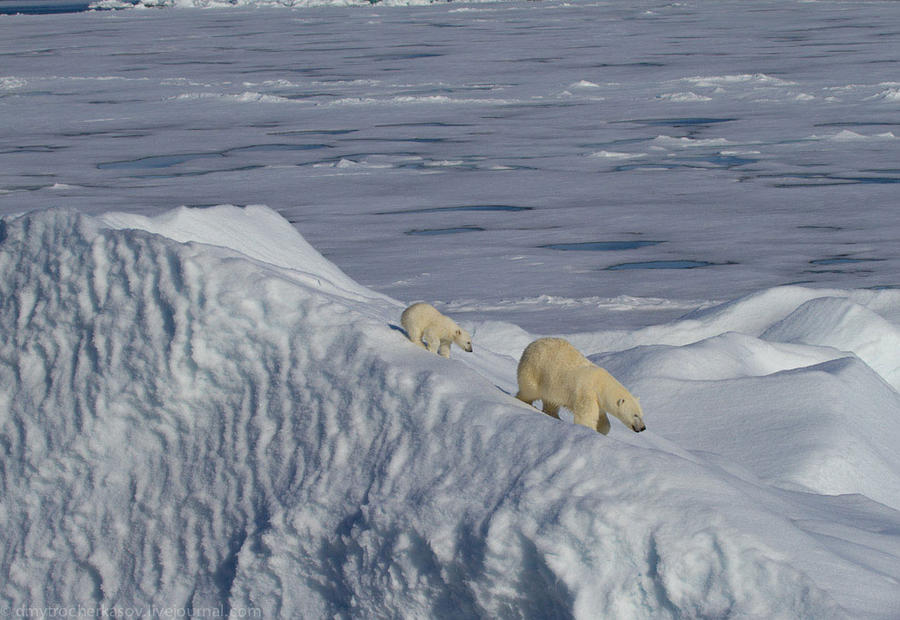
{"x":200,"y":419}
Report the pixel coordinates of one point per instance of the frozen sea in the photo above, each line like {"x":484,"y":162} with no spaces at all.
{"x":213,"y":214}
{"x":570,"y":155}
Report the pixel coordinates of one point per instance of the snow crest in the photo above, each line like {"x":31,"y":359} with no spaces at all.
{"x":200,"y":418}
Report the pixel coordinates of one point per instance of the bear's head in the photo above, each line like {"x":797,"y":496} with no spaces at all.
{"x":628,"y":409}
{"x":463,"y":340}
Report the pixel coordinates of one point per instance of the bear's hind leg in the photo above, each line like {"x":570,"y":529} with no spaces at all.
{"x":523,"y":398}
{"x":551,"y":410}
{"x":414,"y":335}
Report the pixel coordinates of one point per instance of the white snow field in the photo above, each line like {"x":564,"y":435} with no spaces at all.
{"x":207,"y":405}
{"x":201,"y":412}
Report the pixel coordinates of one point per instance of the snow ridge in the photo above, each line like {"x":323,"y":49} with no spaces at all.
{"x":184,"y":424}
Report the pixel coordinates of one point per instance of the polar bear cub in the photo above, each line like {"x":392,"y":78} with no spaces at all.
{"x":423,"y":322}
{"x":553,"y":371}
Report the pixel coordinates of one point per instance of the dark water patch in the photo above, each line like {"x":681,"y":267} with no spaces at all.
{"x":430,"y":232}
{"x":871,"y":180}
{"x":537,"y":59}
{"x":198,"y":63}
{"x":41,"y":7}
{"x":304,"y":96}
{"x":614,"y":65}
{"x":829,"y":228}
{"x":313,"y":132}
{"x":114,"y":101}
{"x":502,"y":208}
{"x":275,"y":147}
{"x":665,"y":264}
{"x":414,"y":140}
{"x":844,"y":260}
{"x":827,"y":180}
{"x":423,"y":124}
{"x":115,"y":133}
{"x":600,"y":246}
{"x":200,"y":173}
{"x":32,"y":148}
{"x":839,"y":271}
{"x":154,"y":161}
{"x":400,"y":56}
{"x":650,"y":166}
{"x":688,"y":121}
{"x":26,"y":188}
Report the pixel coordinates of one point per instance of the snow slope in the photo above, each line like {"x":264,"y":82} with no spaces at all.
{"x":200,"y":411}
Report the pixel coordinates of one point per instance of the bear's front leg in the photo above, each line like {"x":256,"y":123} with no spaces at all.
{"x":433,"y":342}
{"x":588,"y":414}
{"x":603,"y":424}
{"x":444,"y":349}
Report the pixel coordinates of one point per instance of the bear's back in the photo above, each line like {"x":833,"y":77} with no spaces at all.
{"x":419,"y":313}
{"x":546,"y":360}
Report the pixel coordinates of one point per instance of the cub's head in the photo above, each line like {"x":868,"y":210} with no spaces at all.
{"x":463,"y":340}
{"x":628,"y":409}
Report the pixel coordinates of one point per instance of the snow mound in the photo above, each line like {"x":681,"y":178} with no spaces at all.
{"x":847,"y":326}
{"x":199,"y":411}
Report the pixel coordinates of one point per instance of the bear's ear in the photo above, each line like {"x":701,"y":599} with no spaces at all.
{"x":458,"y":332}
{"x":620,"y":402}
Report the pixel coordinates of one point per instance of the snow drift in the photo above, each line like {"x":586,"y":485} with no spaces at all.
{"x":200,"y":411}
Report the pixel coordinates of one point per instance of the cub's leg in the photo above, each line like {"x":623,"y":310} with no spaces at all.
{"x":528,"y":392}
{"x":415,"y":335}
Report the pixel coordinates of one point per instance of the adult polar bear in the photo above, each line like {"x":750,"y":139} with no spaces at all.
{"x":553,"y":371}
{"x":423,"y":322}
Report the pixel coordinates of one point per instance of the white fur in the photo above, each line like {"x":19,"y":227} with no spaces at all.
{"x":423,"y":322}
{"x":553,"y":371}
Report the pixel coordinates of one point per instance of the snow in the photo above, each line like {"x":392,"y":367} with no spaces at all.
{"x":202,"y":410}
{"x":211,"y":220}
